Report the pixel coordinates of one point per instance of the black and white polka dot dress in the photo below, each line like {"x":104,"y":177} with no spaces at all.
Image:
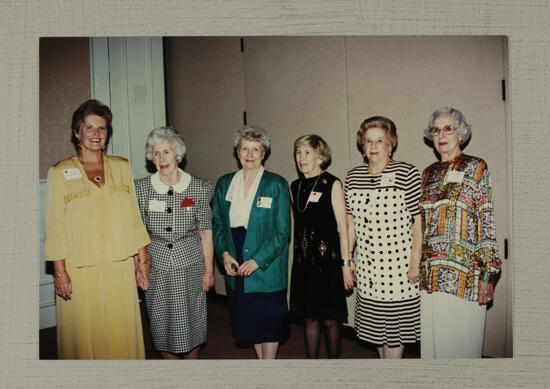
{"x":387,"y":310}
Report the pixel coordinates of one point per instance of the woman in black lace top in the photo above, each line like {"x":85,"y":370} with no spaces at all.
{"x":321,"y":271}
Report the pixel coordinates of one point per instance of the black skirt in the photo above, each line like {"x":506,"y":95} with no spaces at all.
{"x":256,"y":317}
{"x":317,"y":292}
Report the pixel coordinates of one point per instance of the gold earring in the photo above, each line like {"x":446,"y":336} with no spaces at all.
{"x":78,"y":146}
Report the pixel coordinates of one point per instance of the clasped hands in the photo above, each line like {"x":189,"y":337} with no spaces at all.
{"x":232,"y":267}
{"x":350,"y":276}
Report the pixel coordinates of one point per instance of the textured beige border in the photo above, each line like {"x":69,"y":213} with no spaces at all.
{"x":23,"y":22}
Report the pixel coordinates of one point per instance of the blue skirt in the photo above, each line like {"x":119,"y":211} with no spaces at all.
{"x":256,"y":317}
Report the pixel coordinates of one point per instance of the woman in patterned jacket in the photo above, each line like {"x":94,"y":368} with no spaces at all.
{"x":175,"y":208}
{"x":460,"y":263}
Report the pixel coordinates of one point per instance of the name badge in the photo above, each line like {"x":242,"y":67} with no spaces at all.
{"x":314,"y":197}
{"x":264,"y":202}
{"x":157,"y":205}
{"x":454,"y":176}
{"x":387,"y":179}
{"x":72,"y":174}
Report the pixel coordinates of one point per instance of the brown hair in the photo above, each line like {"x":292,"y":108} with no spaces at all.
{"x":91,"y":107}
{"x":377,"y":121}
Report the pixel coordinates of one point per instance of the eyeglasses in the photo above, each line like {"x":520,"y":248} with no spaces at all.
{"x":447,"y":130}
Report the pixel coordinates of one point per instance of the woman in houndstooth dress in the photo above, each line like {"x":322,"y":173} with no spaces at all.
{"x":175,"y":208}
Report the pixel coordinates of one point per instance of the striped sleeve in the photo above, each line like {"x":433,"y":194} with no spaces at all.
{"x":413,"y":190}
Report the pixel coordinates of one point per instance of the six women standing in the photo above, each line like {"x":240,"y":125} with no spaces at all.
{"x":175,"y":208}
{"x":384,"y":221}
{"x":251,"y":225}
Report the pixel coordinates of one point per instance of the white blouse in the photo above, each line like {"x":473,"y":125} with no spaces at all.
{"x":239,"y":212}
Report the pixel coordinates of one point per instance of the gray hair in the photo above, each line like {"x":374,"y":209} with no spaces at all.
{"x":252,"y":133}
{"x":161,"y":134}
{"x":464,"y":128}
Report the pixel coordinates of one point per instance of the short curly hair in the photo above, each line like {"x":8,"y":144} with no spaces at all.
{"x":161,"y":134}
{"x":464,"y":128}
{"x":253,"y":133}
{"x":377,"y":121}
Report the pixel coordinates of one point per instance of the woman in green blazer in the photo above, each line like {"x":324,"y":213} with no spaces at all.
{"x":251,"y":225}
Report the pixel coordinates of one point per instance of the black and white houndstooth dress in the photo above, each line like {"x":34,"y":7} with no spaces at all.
{"x":175,"y":301}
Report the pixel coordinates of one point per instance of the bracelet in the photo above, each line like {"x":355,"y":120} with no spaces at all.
{"x":346,"y":262}
{"x":58,"y":275}
{"x":145,"y":261}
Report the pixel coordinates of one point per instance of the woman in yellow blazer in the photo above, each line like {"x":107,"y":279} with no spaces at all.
{"x":93,"y":231}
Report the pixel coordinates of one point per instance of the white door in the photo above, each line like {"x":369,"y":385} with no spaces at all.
{"x":128,"y":75}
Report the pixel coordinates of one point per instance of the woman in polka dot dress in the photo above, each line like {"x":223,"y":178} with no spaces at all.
{"x":384,"y":222}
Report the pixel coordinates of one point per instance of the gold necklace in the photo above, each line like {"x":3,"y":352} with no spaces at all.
{"x":381,"y":171}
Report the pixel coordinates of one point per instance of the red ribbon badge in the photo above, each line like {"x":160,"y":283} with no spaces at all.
{"x":187,"y":202}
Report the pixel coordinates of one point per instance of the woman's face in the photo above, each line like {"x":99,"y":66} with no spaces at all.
{"x":376,"y":147}
{"x":165,"y":158}
{"x":92,"y":133}
{"x":251,"y":153}
{"x":446,"y":144}
{"x":308,"y":160}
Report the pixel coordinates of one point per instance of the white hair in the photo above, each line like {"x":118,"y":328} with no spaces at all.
{"x":161,"y":134}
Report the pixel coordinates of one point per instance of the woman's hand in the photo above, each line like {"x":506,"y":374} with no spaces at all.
{"x":142,"y":267}
{"x":353,"y":268}
{"x":143,"y":271}
{"x":62,"y":285}
{"x":349,"y":277}
{"x":230,"y":264}
{"x":485,"y":293}
{"x":413,"y":274}
{"x":207,"y":280}
{"x":247,"y":268}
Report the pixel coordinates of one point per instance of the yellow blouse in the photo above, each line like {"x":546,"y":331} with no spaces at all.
{"x":87,"y":225}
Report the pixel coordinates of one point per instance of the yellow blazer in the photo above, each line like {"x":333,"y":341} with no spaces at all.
{"x":86,"y":225}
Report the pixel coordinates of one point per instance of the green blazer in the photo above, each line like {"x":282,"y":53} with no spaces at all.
{"x":267,"y":236}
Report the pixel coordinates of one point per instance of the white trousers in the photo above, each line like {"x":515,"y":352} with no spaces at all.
{"x":450,"y":327}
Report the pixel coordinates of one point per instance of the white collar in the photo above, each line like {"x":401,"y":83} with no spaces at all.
{"x":179,"y":187}
{"x":235,"y":187}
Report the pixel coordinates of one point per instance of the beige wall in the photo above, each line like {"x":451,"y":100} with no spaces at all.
{"x":205,"y":100}
{"x":293,"y":86}
{"x":64,"y":85}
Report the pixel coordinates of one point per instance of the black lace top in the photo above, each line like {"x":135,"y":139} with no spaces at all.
{"x":316,"y":239}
